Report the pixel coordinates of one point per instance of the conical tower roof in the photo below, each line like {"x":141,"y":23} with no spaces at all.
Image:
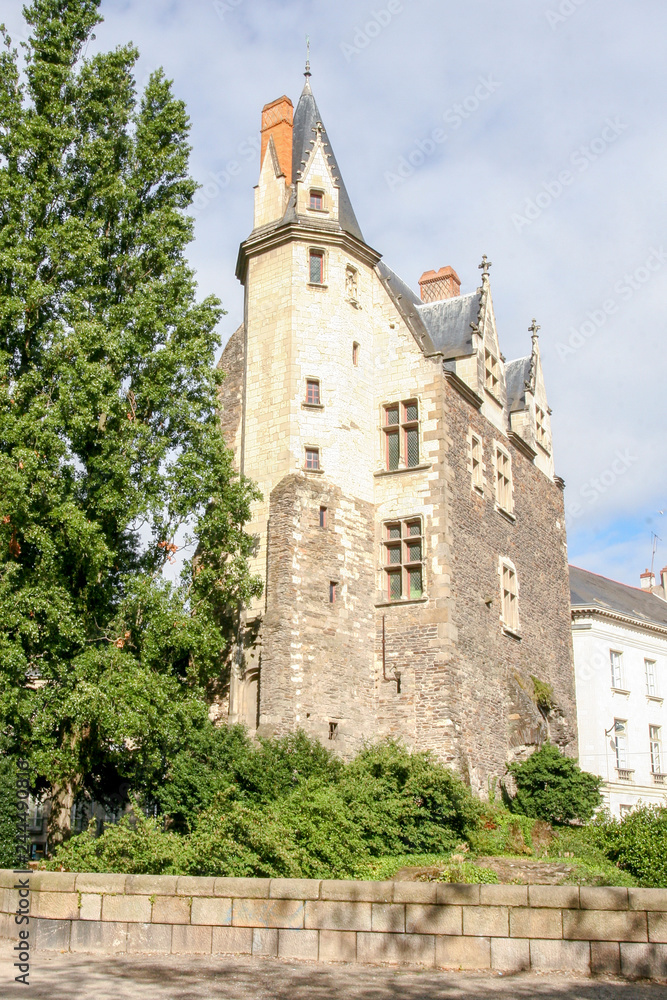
{"x":306,"y":117}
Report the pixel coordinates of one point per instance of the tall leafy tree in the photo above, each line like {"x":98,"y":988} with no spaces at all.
{"x":109,"y":436}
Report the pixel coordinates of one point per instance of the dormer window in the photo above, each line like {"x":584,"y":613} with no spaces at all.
{"x":541,"y":433}
{"x":491,"y":372}
{"x":316,"y":201}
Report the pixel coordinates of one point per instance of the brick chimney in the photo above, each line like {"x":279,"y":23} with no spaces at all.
{"x":277,"y":121}
{"x":647,"y":580}
{"x":437,"y":285}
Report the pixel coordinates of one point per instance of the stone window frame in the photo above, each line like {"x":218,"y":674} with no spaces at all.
{"x":334,"y":592}
{"x":655,"y":748}
{"x":477,"y":482}
{"x":317,"y":192}
{"x":507,"y":574}
{"x":651,"y":674}
{"x":616,"y":667}
{"x":508,"y":511}
{"x":541,"y":432}
{"x":312,"y":449}
{"x":323,"y":517}
{"x":404,"y":566}
{"x":492,"y":372}
{"x":401,"y":430}
{"x":322,"y":253}
{"x":306,"y":403}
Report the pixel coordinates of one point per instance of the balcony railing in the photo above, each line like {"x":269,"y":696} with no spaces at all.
{"x":625,"y":773}
{"x":658,"y":779}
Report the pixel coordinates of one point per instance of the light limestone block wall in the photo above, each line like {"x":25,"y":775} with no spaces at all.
{"x":509,"y":928}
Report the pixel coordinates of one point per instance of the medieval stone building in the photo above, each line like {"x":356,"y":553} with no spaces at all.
{"x":411,"y":534}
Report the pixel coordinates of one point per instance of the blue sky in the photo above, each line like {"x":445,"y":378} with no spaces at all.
{"x":550,"y":158}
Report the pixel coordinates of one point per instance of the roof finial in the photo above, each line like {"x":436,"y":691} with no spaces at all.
{"x":534,"y":328}
{"x":484,"y":267}
{"x":307,"y":73}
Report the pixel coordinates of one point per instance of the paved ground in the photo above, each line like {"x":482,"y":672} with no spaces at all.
{"x":57,"y":976}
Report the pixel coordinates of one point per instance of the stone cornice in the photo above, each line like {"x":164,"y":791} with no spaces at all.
{"x":262,"y":241}
{"x":463,"y":389}
{"x":522,"y":445}
{"x":587,"y":611}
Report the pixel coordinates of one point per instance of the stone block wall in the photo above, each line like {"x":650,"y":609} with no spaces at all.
{"x":499,"y":720}
{"x":507,"y":928}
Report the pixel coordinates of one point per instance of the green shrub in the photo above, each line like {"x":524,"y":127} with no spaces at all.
{"x":469,"y":874}
{"x":637,"y":843}
{"x":552,"y":787}
{"x":501,"y":831}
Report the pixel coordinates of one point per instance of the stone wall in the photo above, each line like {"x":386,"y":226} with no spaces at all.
{"x":508,"y":928}
{"x":498,"y":717}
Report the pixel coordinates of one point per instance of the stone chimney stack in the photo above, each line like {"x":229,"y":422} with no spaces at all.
{"x":647,"y":580}
{"x":437,"y":285}
{"x":278,"y":122}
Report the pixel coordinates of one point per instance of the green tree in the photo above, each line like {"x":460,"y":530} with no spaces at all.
{"x":552,"y":787}
{"x":109,"y":436}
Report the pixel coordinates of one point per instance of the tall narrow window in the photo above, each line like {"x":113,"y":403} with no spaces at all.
{"x":313,"y":391}
{"x":316,"y":201}
{"x":333,"y":592}
{"x":654,"y":736}
{"x":401,"y":435}
{"x":621,"y":743}
{"x":616,"y":659}
{"x":313,"y":458}
{"x":510,"y":597}
{"x":316,"y":260}
{"x":649,"y":666}
{"x":323,"y":517}
{"x":403,"y":559}
{"x":333,"y":730}
{"x":355,"y":354}
{"x":491,"y":372}
{"x":476,"y":459}
{"x":503,"y":480}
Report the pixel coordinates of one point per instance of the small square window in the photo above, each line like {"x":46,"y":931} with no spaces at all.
{"x":323,"y":517}
{"x":316,"y":200}
{"x":313,"y":392}
{"x":316,"y":267}
{"x":312,"y":458}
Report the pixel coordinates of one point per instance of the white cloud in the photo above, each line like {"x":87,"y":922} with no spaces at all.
{"x":559,"y":84}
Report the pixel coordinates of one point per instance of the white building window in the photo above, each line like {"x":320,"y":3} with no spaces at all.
{"x":510,"y":596}
{"x":655,"y":741}
{"x":616,"y":659}
{"x":651,"y":689}
{"x":503,"y":480}
{"x":621,"y":743}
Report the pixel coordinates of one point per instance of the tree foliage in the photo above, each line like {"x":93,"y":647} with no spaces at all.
{"x":109,"y":436}
{"x":552,"y":787}
{"x":637,"y":843}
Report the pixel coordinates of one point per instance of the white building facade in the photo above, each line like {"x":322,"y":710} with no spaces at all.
{"x":620,"y":655}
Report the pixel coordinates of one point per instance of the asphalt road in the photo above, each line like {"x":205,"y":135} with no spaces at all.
{"x":56,"y":976}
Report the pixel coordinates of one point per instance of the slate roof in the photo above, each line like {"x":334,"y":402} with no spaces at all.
{"x":449,"y":323}
{"x":588,"y":589}
{"x":306,"y":116}
{"x":517,"y":374}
